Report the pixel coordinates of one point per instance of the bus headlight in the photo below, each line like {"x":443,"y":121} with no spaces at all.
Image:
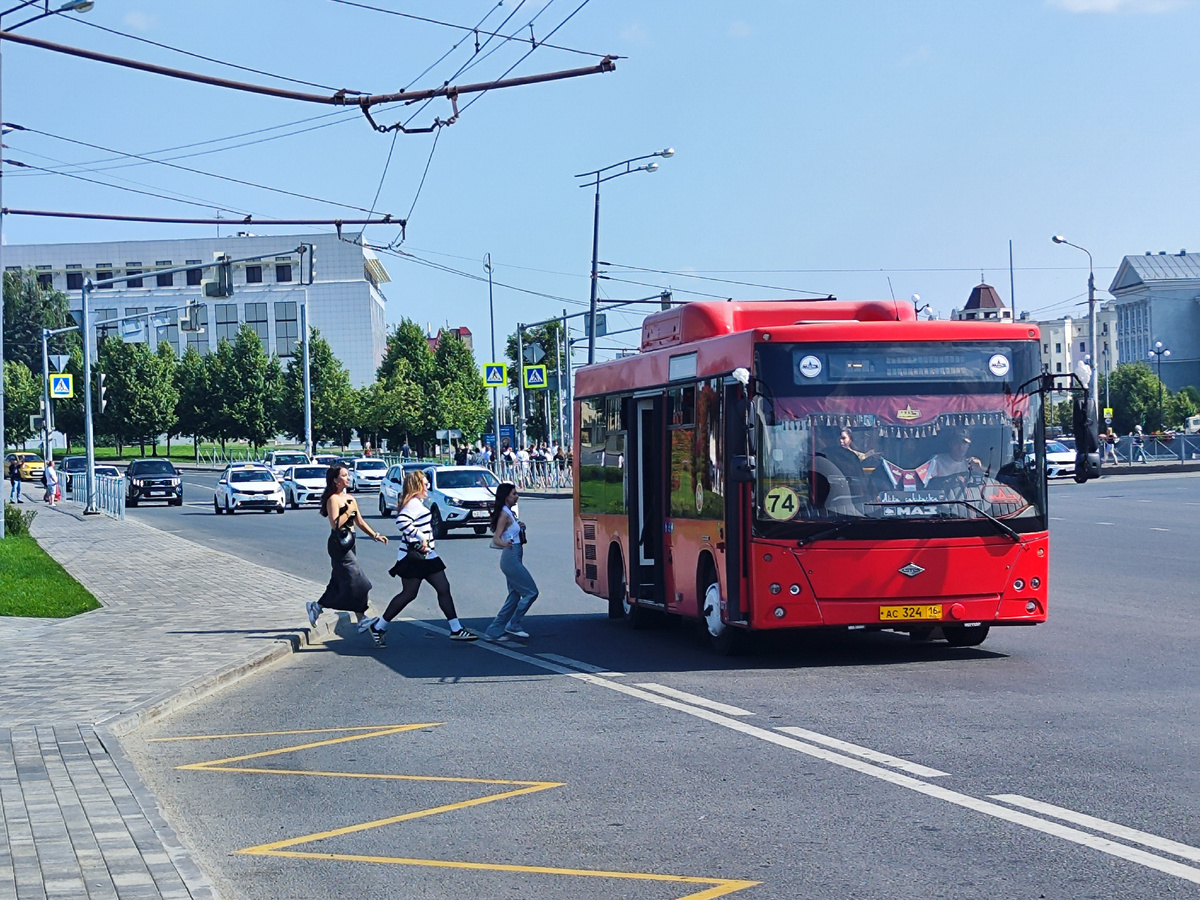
{"x":775,"y":588}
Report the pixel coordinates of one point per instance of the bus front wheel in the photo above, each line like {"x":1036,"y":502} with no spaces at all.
{"x":965,"y":635}
{"x":725,"y":641}
{"x":617,"y":589}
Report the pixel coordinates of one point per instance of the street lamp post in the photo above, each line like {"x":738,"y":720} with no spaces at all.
{"x":1159,"y":351}
{"x":487,"y":264}
{"x":72,"y":6}
{"x":1093,"y":379}
{"x":629,"y":168}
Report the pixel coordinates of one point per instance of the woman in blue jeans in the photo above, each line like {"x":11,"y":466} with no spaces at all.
{"x":508,"y":536}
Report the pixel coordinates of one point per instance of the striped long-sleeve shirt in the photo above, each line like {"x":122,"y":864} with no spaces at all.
{"x":415,"y":524}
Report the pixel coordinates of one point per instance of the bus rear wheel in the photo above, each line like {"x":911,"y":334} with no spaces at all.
{"x":617,"y":588}
{"x":965,"y":635}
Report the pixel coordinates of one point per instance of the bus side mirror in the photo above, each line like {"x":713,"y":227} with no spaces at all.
{"x":741,"y":469}
{"x":1087,"y":448}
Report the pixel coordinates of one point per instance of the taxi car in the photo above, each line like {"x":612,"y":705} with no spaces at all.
{"x":31,"y":465}
{"x":247,"y":487}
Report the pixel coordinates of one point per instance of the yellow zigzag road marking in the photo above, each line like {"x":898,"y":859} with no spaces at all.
{"x":717,"y":887}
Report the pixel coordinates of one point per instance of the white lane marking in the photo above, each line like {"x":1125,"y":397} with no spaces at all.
{"x":1073,"y":835}
{"x":1106,"y":523}
{"x":1159,"y":529}
{"x":1130,"y":834}
{"x":581,"y":666}
{"x":883,"y":759}
{"x":695,"y":700}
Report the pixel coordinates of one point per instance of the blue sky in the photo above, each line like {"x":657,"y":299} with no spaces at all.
{"x":820,"y":147}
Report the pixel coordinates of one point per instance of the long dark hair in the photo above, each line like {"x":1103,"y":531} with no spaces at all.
{"x":502,"y":493}
{"x":331,"y":488}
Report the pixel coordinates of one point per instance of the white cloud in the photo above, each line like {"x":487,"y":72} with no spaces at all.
{"x":634,"y":34}
{"x":739,"y":29}
{"x":140,"y":21}
{"x":1120,"y":6}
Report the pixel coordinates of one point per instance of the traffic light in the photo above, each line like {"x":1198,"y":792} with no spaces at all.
{"x":222,"y":285}
{"x":311,"y":262}
{"x":100,"y":390}
{"x":665,"y":300}
{"x":191,"y":322}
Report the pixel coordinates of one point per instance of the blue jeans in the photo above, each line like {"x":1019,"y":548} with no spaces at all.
{"x":14,"y":491}
{"x":522,"y":591}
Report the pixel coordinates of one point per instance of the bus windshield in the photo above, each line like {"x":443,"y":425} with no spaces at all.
{"x":898,"y":440}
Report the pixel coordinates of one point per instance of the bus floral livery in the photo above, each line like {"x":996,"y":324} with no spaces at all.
{"x":817,"y":464}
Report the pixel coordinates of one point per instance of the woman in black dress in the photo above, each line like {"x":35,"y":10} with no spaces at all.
{"x":348,"y":587}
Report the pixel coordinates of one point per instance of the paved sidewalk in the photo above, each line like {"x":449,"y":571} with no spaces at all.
{"x":75,"y":819}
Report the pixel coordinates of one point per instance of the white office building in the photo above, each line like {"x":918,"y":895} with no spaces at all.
{"x":345,"y":302}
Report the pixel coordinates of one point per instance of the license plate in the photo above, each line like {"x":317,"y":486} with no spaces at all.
{"x":479,"y":514}
{"x":909,"y":613}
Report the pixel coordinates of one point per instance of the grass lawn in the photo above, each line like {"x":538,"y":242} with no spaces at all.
{"x":33,"y":584}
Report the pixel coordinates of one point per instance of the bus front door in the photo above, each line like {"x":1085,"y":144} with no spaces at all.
{"x":647,"y":478}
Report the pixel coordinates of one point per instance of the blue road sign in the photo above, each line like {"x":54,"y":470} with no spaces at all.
{"x":62,"y":387}
{"x":495,"y":374}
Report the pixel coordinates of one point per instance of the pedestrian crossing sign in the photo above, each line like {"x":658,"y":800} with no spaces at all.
{"x":535,"y":377}
{"x":62,"y":387}
{"x":495,"y":374}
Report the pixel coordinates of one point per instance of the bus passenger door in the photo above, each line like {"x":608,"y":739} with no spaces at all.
{"x":739,"y":495}
{"x":646,"y":480}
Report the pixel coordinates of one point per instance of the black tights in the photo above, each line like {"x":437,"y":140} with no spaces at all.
{"x":440,"y":583}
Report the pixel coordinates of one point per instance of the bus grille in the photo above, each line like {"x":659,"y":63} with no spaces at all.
{"x":589,"y":552}
{"x":589,"y":571}
{"x":589,"y":531}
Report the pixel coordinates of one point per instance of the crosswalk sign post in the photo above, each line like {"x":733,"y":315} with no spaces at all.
{"x":62,"y":387}
{"x":495,"y":374}
{"x":535,"y":377}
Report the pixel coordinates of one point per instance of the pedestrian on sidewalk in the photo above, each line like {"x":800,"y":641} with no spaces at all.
{"x":1110,"y":446}
{"x":14,"y":481}
{"x":508,"y":536}
{"x":417,"y":561}
{"x":1139,"y":445}
{"x":50,"y":480}
{"x":348,"y":588}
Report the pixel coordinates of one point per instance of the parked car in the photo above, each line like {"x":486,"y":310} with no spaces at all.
{"x":31,"y":465}
{"x":325,"y":459}
{"x":247,"y":487}
{"x":278,"y":460}
{"x":366,"y":473}
{"x":107,"y":472}
{"x":460,"y":497}
{"x":152,"y":479}
{"x":303,"y":485}
{"x":391,"y":489}
{"x":72,"y":466}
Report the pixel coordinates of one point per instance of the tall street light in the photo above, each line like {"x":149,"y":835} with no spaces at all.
{"x":487,"y":264}
{"x":1093,"y":380}
{"x":1159,"y":351}
{"x":72,"y":6}
{"x":597,"y":181}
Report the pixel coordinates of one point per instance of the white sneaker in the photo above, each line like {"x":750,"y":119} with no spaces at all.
{"x":517,"y":633}
{"x":313,"y":608}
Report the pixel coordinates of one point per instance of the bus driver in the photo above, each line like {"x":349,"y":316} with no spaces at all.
{"x":953,"y":460}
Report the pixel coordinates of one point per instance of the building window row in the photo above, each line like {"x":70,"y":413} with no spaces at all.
{"x":284,"y":274}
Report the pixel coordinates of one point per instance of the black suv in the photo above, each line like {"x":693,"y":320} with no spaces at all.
{"x":153,"y":479}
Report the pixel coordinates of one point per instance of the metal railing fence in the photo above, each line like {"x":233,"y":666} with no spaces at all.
{"x":1158,"y":449}
{"x":110,"y":494}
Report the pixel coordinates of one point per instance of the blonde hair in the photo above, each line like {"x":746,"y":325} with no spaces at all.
{"x":414,"y":482}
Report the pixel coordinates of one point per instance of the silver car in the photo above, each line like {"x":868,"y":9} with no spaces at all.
{"x":303,"y":485}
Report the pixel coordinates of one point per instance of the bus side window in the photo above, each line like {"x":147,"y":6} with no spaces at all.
{"x":592,"y":440}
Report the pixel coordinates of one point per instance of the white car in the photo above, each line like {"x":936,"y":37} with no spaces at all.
{"x":303,"y":485}
{"x":366,"y":473}
{"x":280,"y":460}
{"x":1060,"y":460}
{"x":460,"y":497}
{"x":391,"y":489}
{"x":247,"y":487}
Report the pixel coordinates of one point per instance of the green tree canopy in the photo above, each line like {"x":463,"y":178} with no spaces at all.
{"x":22,"y":399}
{"x":460,"y":399}
{"x":253,"y":384}
{"x":195,"y":408}
{"x":29,"y":308}
{"x":333,"y":399}
{"x":547,"y":337}
{"x":1133,"y":393}
{"x":141,"y":393}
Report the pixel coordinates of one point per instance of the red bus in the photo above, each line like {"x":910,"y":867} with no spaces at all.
{"x":794,"y":464}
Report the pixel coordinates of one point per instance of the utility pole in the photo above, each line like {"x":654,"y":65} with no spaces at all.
{"x":520,"y":383}
{"x":89,"y":434}
{"x":487,"y":264}
{"x":46,"y":448}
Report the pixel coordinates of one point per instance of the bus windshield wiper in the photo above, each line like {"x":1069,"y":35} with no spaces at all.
{"x":827,"y":533}
{"x":1004,"y":527}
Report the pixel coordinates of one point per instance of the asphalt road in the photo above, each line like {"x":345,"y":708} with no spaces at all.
{"x":829,"y":765}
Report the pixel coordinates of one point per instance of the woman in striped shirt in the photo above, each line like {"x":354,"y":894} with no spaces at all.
{"x":417,"y":561}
